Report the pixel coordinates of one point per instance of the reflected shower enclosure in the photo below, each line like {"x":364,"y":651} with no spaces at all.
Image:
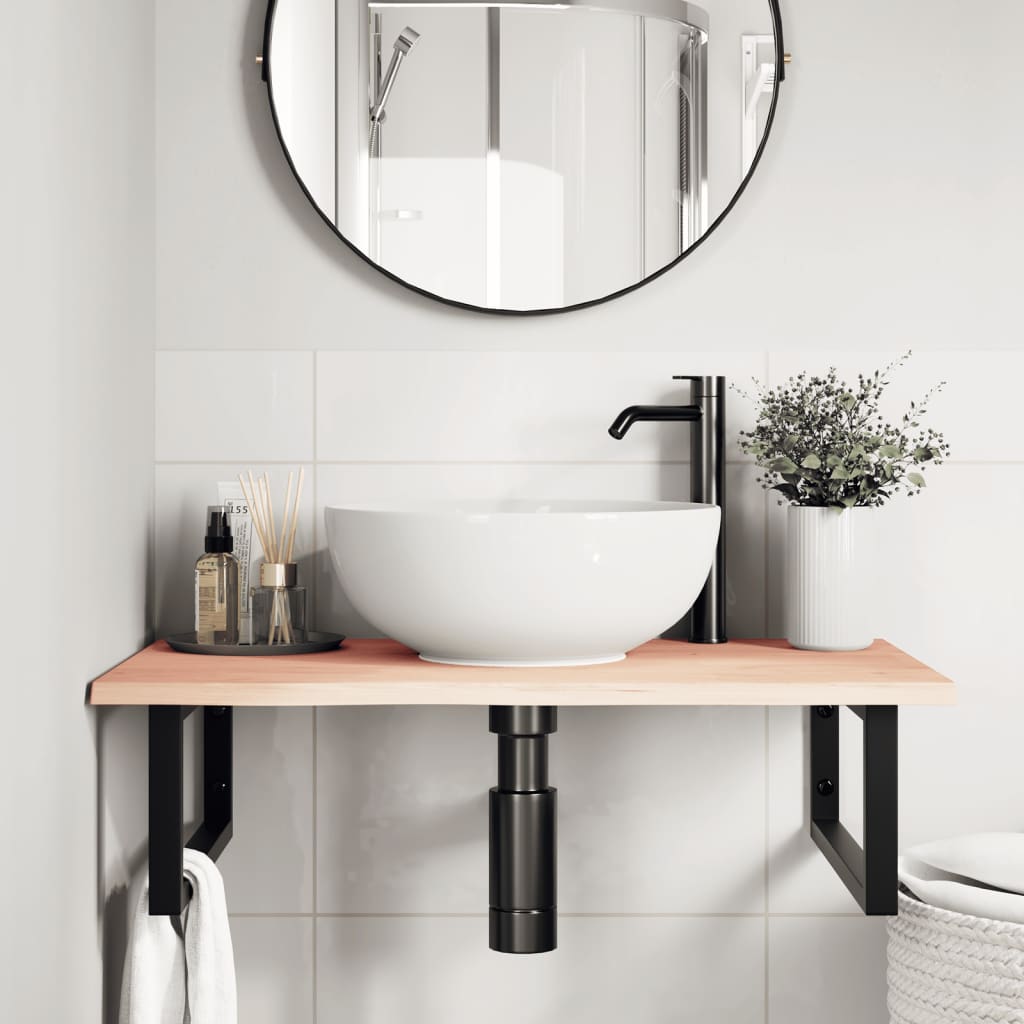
{"x":523,"y":157}
{"x":530,"y":156}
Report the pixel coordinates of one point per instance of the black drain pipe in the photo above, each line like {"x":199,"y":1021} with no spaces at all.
{"x":523,"y":916}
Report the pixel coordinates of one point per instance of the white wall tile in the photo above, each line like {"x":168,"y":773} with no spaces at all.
{"x":660,"y":809}
{"x":182,"y":495}
{"x":948,"y":564}
{"x":977,"y":409}
{"x":949,"y":592}
{"x":952,"y":570}
{"x":268,"y":865}
{"x":605,"y":971}
{"x":826,"y":968}
{"x":337,"y":485}
{"x":511,"y":406}
{"x":225,"y":406}
{"x":402,"y":810}
{"x":953,"y":598}
{"x":800,"y":880}
{"x":401,"y":813}
{"x":274,"y":969}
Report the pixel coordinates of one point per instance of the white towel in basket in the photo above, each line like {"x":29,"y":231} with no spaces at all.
{"x":981,"y":874}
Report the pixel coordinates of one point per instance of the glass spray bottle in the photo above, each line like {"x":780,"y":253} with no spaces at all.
{"x":217,"y":582}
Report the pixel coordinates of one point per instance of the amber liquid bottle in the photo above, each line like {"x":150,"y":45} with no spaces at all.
{"x":217,"y":583}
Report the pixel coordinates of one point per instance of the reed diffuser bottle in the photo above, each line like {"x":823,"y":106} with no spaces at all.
{"x":217,"y":582}
{"x":278,"y":605}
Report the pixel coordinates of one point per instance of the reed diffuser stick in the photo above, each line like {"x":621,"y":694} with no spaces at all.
{"x":274,"y":555}
{"x":295,"y":513}
{"x":258,"y":506}
{"x":281,"y":546}
{"x":257,"y":521}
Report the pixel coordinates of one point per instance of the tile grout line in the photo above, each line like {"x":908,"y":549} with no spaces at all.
{"x":767,"y":856}
{"x":474,"y":349}
{"x":315,"y":867}
{"x":767,"y":749}
{"x":314,"y":559}
{"x":316,"y":494}
{"x":412,"y":461}
{"x":597,"y":915}
{"x":513,"y":462}
{"x":151,"y":588}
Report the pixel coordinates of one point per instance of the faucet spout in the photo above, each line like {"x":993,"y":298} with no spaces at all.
{"x":653,"y":413}
{"x":707,"y":484}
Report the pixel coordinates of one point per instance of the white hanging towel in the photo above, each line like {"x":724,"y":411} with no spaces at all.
{"x":170,"y":980}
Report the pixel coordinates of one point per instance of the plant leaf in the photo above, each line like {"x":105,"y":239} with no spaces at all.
{"x":889,"y":451}
{"x":783,"y":464}
{"x":916,"y":479}
{"x":811,"y":461}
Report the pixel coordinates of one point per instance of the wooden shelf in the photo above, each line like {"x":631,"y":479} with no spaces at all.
{"x":660,"y":673}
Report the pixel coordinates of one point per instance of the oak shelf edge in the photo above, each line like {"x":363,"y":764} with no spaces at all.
{"x":659,"y":673}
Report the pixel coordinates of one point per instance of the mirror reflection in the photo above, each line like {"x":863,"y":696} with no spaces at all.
{"x":529,"y":156}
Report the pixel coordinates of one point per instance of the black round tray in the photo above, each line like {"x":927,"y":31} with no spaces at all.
{"x":186,"y":643}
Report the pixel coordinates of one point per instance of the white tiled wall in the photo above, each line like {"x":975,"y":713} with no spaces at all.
{"x":689,"y":888}
{"x":659,"y":970}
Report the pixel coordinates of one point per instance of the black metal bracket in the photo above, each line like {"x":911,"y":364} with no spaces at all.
{"x":869,"y":873}
{"x":167,"y":886}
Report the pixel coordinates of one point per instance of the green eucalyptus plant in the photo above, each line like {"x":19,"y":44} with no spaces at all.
{"x":825,"y":444}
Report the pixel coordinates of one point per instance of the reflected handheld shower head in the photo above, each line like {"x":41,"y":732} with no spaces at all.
{"x":406,"y":40}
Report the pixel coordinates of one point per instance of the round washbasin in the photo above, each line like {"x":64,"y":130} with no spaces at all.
{"x":523,"y":582}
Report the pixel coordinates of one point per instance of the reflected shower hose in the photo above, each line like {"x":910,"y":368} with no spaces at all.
{"x":403,"y":44}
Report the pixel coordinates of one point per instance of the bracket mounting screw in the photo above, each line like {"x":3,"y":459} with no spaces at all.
{"x":826,"y":787}
{"x":825,"y":711}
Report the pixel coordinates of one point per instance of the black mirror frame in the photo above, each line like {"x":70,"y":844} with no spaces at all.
{"x":780,"y":75}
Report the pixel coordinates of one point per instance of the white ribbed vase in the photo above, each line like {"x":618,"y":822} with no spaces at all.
{"x":829,"y":578}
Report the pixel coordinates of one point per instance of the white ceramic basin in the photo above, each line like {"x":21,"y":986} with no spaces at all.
{"x":523,"y":582}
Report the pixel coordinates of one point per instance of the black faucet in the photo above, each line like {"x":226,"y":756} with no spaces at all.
{"x":707,"y":484}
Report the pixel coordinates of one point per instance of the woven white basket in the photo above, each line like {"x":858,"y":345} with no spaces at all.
{"x":947,"y":968}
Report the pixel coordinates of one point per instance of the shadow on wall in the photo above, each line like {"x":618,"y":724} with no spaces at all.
{"x":121,"y":748}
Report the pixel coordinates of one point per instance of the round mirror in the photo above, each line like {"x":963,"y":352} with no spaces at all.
{"x":523,"y":157}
